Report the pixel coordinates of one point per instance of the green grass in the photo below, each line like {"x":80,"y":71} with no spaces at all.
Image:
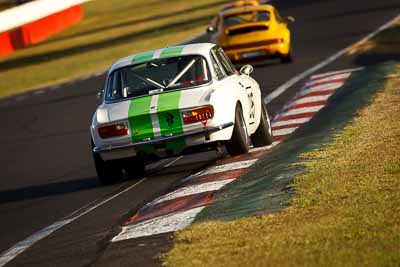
{"x":346,"y":207}
{"x":110,"y":30}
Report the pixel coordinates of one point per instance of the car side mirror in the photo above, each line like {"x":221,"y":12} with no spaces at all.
{"x":290,"y":19}
{"x":246,"y":69}
{"x":210,"y":29}
{"x":100,"y":94}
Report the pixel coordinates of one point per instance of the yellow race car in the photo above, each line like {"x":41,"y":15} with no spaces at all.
{"x":252,"y":31}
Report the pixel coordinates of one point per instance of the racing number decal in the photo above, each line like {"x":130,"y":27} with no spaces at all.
{"x":252,"y":106}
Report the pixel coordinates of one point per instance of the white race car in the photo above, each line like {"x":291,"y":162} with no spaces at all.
{"x":171,"y":101}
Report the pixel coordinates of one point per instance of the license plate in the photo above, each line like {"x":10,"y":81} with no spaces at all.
{"x":252,"y":54}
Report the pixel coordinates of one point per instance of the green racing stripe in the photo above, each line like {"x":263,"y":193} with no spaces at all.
{"x":172,"y":51}
{"x":142,"y":57}
{"x":170,"y":119}
{"x":167,"y":52}
{"x":140,"y":121}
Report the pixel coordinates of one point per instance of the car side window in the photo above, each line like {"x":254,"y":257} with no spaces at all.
{"x":225,"y":66}
{"x":217,"y":66}
{"x":227,"y":62}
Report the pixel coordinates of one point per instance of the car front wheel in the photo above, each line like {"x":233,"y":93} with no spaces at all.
{"x":287,"y":58}
{"x":239,"y":142}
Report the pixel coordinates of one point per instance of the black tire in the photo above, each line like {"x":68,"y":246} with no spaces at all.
{"x":288,"y":58}
{"x":263,"y":135}
{"x":108,"y":172}
{"x":135,"y":167}
{"x":239,"y":142}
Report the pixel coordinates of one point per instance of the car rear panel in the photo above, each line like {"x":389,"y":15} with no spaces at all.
{"x":170,"y":118}
{"x":157,"y":116}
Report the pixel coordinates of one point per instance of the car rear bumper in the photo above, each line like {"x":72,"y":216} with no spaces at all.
{"x":237,"y":53}
{"x":121,"y":151}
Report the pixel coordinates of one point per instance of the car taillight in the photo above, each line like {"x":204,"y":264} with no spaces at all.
{"x":277,"y":41}
{"x":197,"y":114}
{"x":114,"y":130}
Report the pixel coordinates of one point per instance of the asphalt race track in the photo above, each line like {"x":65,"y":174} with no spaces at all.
{"x":46,"y":167}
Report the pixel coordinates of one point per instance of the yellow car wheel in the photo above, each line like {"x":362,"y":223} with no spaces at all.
{"x":288,"y":58}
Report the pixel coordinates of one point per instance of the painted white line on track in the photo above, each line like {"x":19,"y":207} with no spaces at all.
{"x":276,"y":143}
{"x":297,"y":111}
{"x":192,"y":190}
{"x":262,"y":148}
{"x":342,"y":76}
{"x":310,"y":99}
{"x":321,"y":88}
{"x":173,"y":162}
{"x":319,"y":76}
{"x":163,"y":224}
{"x":289,"y":122}
{"x":179,"y":220}
{"x":221,"y":168}
{"x":161,"y":162}
{"x":285,"y":131}
{"x":23,"y":245}
{"x":281,"y":89}
{"x":227,"y":167}
{"x":304,"y":105}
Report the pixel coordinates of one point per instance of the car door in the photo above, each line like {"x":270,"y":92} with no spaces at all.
{"x":246,"y":87}
{"x":249,"y":84}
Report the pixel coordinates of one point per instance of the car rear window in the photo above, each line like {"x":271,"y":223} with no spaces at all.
{"x":156,"y":76}
{"x":246,"y":17}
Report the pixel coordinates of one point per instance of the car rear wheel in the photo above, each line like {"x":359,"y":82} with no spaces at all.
{"x":263,"y":135}
{"x":239,"y":142}
{"x":108,"y":172}
{"x":288,"y":58}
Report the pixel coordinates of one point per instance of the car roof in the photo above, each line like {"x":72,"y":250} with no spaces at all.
{"x":172,"y":51}
{"x":241,"y":9}
{"x":241,"y":3}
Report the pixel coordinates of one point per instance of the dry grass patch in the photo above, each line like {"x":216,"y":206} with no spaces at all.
{"x":346,"y":211}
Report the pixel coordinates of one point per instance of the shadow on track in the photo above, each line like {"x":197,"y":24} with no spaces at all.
{"x":47,"y":190}
{"x":195,"y":162}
